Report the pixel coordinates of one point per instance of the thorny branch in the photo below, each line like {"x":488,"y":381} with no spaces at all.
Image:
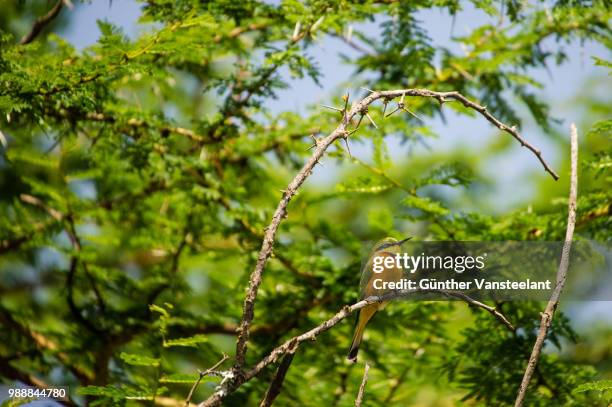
{"x":549,"y":311}
{"x":342,"y":132}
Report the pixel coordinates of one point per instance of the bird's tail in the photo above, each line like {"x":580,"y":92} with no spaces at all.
{"x":354,"y":349}
{"x":362,"y":319}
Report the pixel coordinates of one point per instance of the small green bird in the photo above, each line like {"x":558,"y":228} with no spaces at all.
{"x":383,"y":248}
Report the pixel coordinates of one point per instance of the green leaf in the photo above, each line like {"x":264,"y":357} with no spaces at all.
{"x":180,"y":378}
{"x":139,"y":360}
{"x":191,"y":341}
{"x":425,"y":204}
{"x":102,"y":391}
{"x":159,"y":309}
{"x":601,"y":385}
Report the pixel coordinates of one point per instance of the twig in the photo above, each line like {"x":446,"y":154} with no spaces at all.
{"x":359,"y":398}
{"x":341,"y":131}
{"x":240,"y":30}
{"x":277,"y":383}
{"x":32,"y":200}
{"x":492,"y":310}
{"x":548,"y":313}
{"x":41,"y":22}
{"x":202,"y":374}
{"x":133,"y":122}
{"x":74,"y":309}
{"x":349,"y":41}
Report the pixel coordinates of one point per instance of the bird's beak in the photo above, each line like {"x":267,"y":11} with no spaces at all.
{"x":403,"y":241}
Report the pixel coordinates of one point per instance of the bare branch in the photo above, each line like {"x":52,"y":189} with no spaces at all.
{"x":341,"y":131}
{"x":32,"y":200}
{"x":41,"y":22}
{"x":277,"y":383}
{"x":492,"y":310}
{"x":548,"y":313}
{"x":359,"y":398}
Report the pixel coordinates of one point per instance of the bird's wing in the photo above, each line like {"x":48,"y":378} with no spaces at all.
{"x":366,"y":285}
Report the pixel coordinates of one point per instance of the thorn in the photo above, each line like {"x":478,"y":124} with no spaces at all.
{"x":385,"y":103}
{"x":346,"y":100}
{"x":316,"y":24}
{"x":296,"y":31}
{"x":396,"y":109}
{"x":364,"y":88}
{"x":370,"y":119}
{"x":332,"y":108}
{"x":348,"y":149}
{"x":315,"y":142}
{"x":359,"y":122}
{"x":412,"y":113}
{"x":402,"y":99}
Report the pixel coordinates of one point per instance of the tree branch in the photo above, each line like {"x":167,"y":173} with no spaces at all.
{"x":492,"y":310}
{"x":277,"y":383}
{"x":359,"y":398}
{"x":549,"y":311}
{"x":41,"y":22}
{"x":342,"y":131}
{"x":291,"y":345}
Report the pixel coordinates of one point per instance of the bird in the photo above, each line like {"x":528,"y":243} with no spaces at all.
{"x":385,"y":247}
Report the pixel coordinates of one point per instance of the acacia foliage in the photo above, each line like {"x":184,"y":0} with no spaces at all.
{"x":138,"y":176}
